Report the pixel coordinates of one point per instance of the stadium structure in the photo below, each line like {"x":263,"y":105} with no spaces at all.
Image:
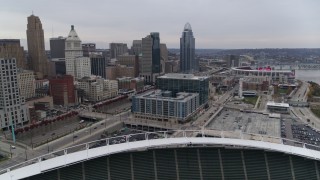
{"x":274,"y":74}
{"x":203,"y":154}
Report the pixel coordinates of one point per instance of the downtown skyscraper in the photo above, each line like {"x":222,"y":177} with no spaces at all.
{"x":188,"y":63}
{"x":150,"y":67}
{"x":13,"y":110}
{"x":76,"y":65}
{"x":38,"y":59}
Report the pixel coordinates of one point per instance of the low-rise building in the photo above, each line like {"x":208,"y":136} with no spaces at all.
{"x":278,"y":107}
{"x":96,"y":88}
{"x":162,"y":106}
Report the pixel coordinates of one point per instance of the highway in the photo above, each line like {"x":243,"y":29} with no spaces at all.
{"x":301,"y":94}
{"x":90,"y":133}
{"x":304,"y":113}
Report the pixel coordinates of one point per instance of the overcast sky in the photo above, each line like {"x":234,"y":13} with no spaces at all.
{"x":215,"y":23}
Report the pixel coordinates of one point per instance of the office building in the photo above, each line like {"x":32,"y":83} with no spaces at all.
{"x":185,"y":83}
{"x":136,"y":48}
{"x":156,"y":56}
{"x":188,"y":63}
{"x":150,"y":66}
{"x":164,"y":52}
{"x":26,"y":83}
{"x":13,"y":110}
{"x":38,"y":59}
{"x":76,"y":65}
{"x":129,"y":61}
{"x":98,"y":66}
{"x":57,"y":47}
{"x":97,"y":89}
{"x":88,"y":48}
{"x":118,"y":71}
{"x":117,"y":49}
{"x":129,"y":83}
{"x":171,"y":66}
{"x":83,"y":67}
{"x":62,"y":90}
{"x":42,"y":87}
{"x":161,"y":106}
{"x":58,"y":66}
{"x":232,"y":61}
{"x":10,"y":48}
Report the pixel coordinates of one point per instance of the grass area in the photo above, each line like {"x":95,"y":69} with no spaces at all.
{"x":316,"y":112}
{"x":250,"y":100}
{"x":283,"y":91}
{"x":314,"y":89}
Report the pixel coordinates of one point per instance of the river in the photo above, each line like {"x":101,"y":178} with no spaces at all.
{"x":308,"y":75}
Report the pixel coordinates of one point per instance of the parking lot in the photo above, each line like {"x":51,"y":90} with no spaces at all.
{"x":305,"y":134}
{"x":233,"y":120}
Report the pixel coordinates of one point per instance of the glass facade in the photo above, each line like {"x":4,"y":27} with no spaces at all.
{"x":188,"y":63}
{"x":155,"y":52}
{"x":199,"y":85}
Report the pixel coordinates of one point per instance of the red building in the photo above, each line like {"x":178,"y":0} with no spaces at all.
{"x":62,"y":90}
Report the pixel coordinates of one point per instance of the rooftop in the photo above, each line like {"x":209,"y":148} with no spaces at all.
{"x":187,"y":27}
{"x":73,"y":36}
{"x":271,"y":103}
{"x":158,"y":94}
{"x":182,"y":76}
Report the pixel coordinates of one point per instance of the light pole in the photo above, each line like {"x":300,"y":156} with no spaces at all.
{"x":48,"y":145}
{"x":73,"y":136}
{"x":10,"y":151}
{"x":105,"y":122}
{"x":26,"y":154}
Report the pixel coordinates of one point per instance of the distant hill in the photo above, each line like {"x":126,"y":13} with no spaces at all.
{"x":302,"y":52}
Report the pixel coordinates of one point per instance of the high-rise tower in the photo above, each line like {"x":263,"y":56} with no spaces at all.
{"x":38,"y":59}
{"x":188,"y":63}
{"x":150,"y":66}
{"x":10,"y":48}
{"x":13,"y":110}
{"x":76,"y":65}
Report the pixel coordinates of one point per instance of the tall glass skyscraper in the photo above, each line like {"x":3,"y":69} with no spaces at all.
{"x":188,"y":63}
{"x":155,"y":52}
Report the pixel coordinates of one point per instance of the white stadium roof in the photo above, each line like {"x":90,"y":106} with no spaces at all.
{"x":38,"y":165}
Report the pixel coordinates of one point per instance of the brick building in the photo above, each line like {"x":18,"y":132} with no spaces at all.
{"x":62,"y":90}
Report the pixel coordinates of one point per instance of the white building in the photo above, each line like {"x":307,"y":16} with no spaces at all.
{"x":26,"y":83}
{"x":97,"y":88}
{"x":83,"y":67}
{"x":13,"y":110}
{"x":76,"y":65}
{"x":161,"y":106}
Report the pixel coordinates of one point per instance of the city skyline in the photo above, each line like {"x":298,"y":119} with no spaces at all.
{"x":217,"y":24}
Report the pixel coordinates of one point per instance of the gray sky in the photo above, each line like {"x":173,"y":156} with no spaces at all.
{"x":215,"y":23}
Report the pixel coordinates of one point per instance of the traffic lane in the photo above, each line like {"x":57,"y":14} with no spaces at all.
{"x":73,"y":137}
{"x":48,"y":136}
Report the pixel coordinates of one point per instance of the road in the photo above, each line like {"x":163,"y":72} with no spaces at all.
{"x":92,"y":133}
{"x":304,"y":114}
{"x":301,"y":94}
{"x":202,"y":119}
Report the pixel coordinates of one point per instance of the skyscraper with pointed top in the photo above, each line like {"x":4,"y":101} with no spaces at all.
{"x":36,"y":49}
{"x":188,"y":63}
{"x":76,"y":65}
